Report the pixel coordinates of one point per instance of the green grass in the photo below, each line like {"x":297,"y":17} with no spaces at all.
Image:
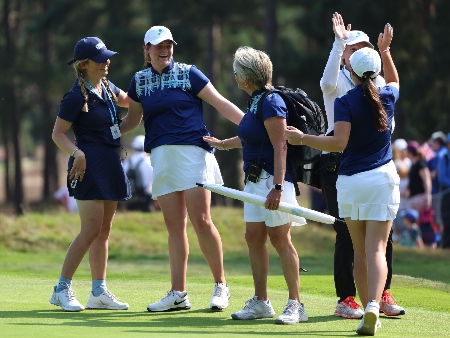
{"x":32,"y":249}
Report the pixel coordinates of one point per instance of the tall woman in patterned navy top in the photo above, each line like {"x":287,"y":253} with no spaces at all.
{"x":95,"y":175}
{"x":169,"y":96}
{"x":368,"y":183}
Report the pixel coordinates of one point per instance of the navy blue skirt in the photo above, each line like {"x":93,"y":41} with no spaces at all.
{"x":104,"y":178}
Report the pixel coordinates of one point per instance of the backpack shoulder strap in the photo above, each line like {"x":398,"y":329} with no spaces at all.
{"x":259,"y":106}
{"x":289,"y":168}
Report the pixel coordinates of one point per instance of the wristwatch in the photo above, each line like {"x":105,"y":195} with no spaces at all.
{"x":278,"y":187}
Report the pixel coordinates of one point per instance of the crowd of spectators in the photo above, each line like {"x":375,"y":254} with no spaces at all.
{"x":424,"y":169}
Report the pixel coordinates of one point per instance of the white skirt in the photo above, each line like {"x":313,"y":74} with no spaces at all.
{"x":272,"y":218}
{"x":371,"y":195}
{"x":181,"y":167}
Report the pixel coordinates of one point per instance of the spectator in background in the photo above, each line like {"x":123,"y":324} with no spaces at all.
{"x":399,"y":152}
{"x":443,"y":174}
{"x":69,"y":202}
{"x":419,"y":185}
{"x":140,"y":174}
{"x":437,"y":143}
{"x":410,"y":235}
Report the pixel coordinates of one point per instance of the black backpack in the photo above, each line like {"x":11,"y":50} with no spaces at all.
{"x":305,"y":115}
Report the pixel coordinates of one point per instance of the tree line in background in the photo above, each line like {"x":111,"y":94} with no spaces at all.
{"x":37,"y":38}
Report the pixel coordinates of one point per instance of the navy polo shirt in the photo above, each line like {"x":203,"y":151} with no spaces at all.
{"x":254,"y":137}
{"x":93,"y":126}
{"x":173,"y":114}
{"x":367,"y":147}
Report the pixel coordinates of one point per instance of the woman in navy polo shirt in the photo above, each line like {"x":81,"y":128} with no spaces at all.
{"x":264,"y":147}
{"x":368,"y":183}
{"x":169,"y":96}
{"x":95,"y":175}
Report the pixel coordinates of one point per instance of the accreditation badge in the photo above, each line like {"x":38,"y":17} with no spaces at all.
{"x":115,"y":131}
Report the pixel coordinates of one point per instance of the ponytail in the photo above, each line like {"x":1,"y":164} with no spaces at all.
{"x":380,"y":119}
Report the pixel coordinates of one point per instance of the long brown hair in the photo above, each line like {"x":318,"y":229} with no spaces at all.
{"x":380,"y":118}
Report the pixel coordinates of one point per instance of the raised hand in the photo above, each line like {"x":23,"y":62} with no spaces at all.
{"x":385,"y":38}
{"x":339,"y":28}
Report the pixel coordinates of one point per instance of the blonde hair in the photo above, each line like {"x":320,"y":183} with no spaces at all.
{"x":254,"y":65}
{"x":80,"y":73}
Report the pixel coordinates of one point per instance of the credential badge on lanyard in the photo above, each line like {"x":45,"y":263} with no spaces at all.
{"x":115,"y":130}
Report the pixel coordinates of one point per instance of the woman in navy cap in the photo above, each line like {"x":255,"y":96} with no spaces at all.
{"x":169,"y":96}
{"x":95,"y":175}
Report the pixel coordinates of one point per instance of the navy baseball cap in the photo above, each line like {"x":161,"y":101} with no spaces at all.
{"x":91,"y":48}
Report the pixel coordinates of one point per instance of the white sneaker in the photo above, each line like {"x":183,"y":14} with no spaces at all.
{"x":294,"y":312}
{"x":370,"y":322}
{"x":173,"y":301}
{"x":66,"y":299}
{"x":254,"y":309}
{"x":106,"y":301}
{"x":220,"y":297}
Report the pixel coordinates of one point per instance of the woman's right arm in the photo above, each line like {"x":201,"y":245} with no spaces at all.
{"x":60,"y":138}
{"x":133,"y":118}
{"x":229,"y":143}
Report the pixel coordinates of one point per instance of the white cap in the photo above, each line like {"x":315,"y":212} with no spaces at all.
{"x":138,"y":143}
{"x":366,"y":60}
{"x":358,"y":36}
{"x":400,"y":144}
{"x":158,"y":34}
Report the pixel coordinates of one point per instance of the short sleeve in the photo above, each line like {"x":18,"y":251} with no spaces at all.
{"x":71,"y":106}
{"x":132,"y":90}
{"x":341,"y":111}
{"x":272,"y":106}
{"x":390,"y":92}
{"x":198,"y":80}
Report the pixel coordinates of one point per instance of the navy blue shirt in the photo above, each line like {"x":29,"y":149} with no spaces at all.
{"x":253,"y":135}
{"x":367,"y":147}
{"x":173,"y":114}
{"x":93,"y":126}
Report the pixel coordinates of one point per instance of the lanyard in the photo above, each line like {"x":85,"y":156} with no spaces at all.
{"x":113,"y":116}
{"x":350,"y":81}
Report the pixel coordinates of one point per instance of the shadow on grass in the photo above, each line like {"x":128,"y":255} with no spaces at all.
{"x":192,"y":319}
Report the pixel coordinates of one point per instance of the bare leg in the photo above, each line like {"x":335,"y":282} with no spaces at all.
{"x":198,"y":202}
{"x":369,"y":242}
{"x":256,"y":237}
{"x":91,"y":216}
{"x":98,"y":253}
{"x":174,"y":211}
{"x":280,"y":238}
{"x":377,"y":233}
{"x":357,"y":231}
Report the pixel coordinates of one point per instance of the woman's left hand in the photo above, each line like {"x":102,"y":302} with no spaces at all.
{"x":293,"y":135}
{"x":273,"y":199}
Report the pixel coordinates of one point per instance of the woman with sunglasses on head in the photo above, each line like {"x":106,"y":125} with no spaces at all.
{"x":95,"y":175}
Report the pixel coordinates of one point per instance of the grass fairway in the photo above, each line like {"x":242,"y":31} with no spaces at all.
{"x":32,"y":249}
